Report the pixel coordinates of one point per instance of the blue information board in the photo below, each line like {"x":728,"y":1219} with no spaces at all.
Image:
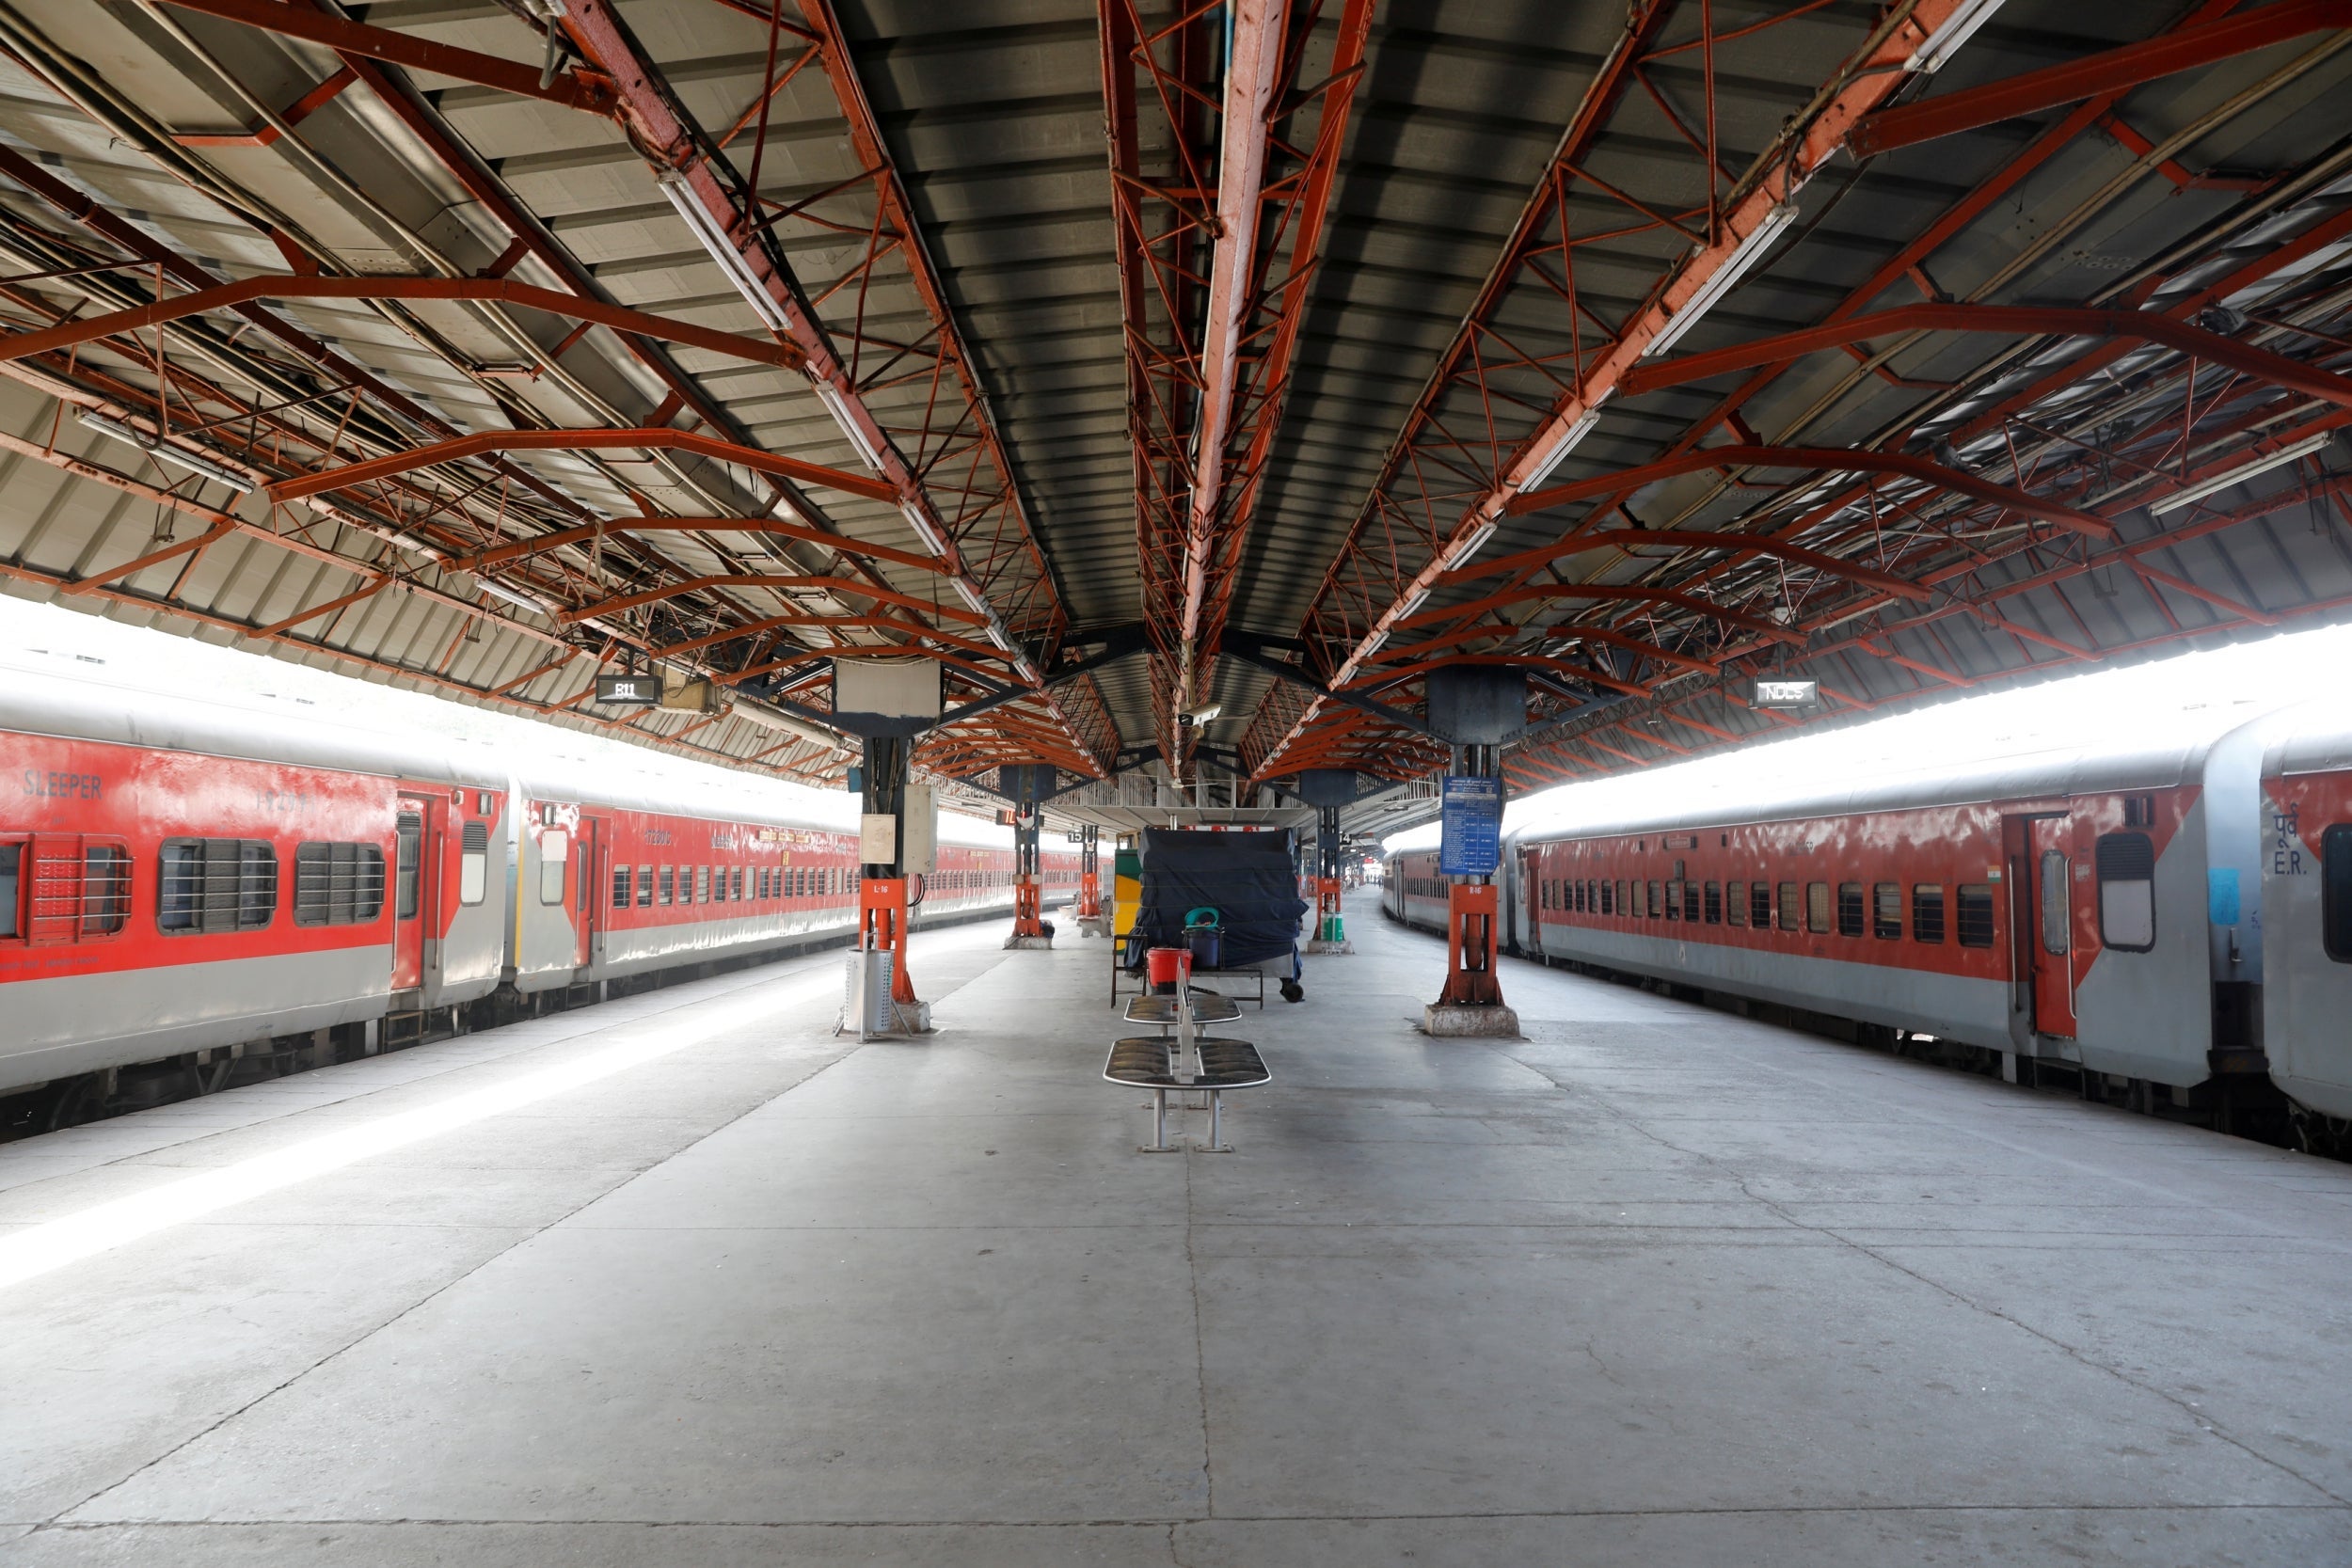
{"x":1473,"y":826}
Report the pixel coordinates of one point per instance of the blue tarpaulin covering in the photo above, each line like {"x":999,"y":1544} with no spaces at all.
{"x":1250,"y":880}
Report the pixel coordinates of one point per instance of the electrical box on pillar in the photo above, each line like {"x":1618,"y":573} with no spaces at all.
{"x":895,"y":810}
{"x":1477,"y":708}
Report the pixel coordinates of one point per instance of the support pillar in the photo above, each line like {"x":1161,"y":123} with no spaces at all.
{"x":1092,"y":921}
{"x":1331,"y":931}
{"x":1470,"y":1005}
{"x":882,"y":888}
{"x":1028,"y":922}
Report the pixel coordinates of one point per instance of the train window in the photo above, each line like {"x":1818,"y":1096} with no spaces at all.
{"x":1608,"y":900}
{"x":473,"y":863}
{"x":335,"y":885}
{"x":2335,"y":891}
{"x":1849,"y":909}
{"x":1927,"y":911}
{"x":555,"y":859}
{"x":1674,"y":899}
{"x":11,"y":889}
{"x":2055,"y":907}
{"x":669,"y":882}
{"x":1691,"y":902}
{"x":1759,"y":904}
{"x":644,"y":886}
{"x":1817,"y":908}
{"x":1714,"y":905}
{"x":408,"y":840}
{"x":624,"y":885}
{"x":105,"y":888}
{"x":1886,"y":911}
{"x":220,"y":884}
{"x":2127,"y":891}
{"x":1657,"y":903}
{"x":702,"y":885}
{"x":1736,"y":903}
{"x":1789,"y":908}
{"x":1975,"y":901}
{"x":735,"y":884}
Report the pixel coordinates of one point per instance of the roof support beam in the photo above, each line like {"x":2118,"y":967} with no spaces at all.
{"x":1740,"y":227}
{"x":709,"y":204}
{"x":573,"y":89}
{"x":822,"y":585}
{"x":496,"y":291}
{"x":650,"y":439}
{"x":1735,"y":544}
{"x":2112,"y":70}
{"x":2009,"y":320}
{"x":1825,"y":459}
{"x":1254,"y":48}
{"x":517,"y":548}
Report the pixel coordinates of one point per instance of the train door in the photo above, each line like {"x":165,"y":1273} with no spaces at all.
{"x":413,"y":886}
{"x":2050,"y":940}
{"x":587,"y":888}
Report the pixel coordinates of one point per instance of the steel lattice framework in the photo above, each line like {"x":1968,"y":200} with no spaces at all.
{"x":1909,"y":346}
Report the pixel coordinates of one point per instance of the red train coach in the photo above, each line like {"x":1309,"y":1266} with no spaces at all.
{"x":179,"y":876}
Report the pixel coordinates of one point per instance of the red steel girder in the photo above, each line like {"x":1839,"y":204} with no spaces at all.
{"x":1735,"y":544}
{"x":1204,"y":409}
{"x":2008,"y":320}
{"x":573,"y":89}
{"x":651,"y":438}
{"x":1821,"y":459}
{"x":22,"y":345}
{"x":752,"y":579}
{"x":2109,"y":71}
{"x":1747,"y":217}
{"x":675,"y":150}
{"x":519,"y":549}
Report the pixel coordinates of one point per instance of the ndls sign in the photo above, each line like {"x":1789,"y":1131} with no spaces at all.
{"x":1774,"y":693}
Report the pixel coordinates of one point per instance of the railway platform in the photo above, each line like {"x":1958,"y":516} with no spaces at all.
{"x":688,"y":1279}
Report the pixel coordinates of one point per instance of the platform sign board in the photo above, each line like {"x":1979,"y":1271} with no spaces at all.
{"x":1471,"y":816}
{"x":636,"y":691}
{"x":1786,"y":693}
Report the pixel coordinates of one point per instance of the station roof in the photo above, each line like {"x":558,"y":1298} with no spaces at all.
{"x":1191,"y":381}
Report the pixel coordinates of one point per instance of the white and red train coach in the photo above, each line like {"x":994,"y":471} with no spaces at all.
{"x":2162,"y":915}
{"x":187,"y":881}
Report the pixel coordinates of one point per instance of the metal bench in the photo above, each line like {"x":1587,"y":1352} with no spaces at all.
{"x":1159,"y":1063}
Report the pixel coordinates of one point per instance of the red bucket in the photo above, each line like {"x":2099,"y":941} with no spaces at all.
{"x":1169,"y":967}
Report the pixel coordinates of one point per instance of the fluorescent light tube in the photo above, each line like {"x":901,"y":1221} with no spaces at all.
{"x":1944,"y":41}
{"x":196,"y":464}
{"x":838,"y":407}
{"x":1471,"y":544}
{"x":925,"y":529}
{"x":2243,"y":471}
{"x":971,"y":596}
{"x":1566,"y":444}
{"x":1735,"y":266}
{"x":722,"y":250}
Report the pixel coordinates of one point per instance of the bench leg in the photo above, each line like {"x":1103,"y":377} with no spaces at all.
{"x":1216,"y":1142}
{"x":1159,"y":1143}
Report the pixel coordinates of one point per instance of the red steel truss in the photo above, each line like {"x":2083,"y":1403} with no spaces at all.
{"x":1943,"y":536}
{"x":947,"y":477}
{"x":1216,"y":262}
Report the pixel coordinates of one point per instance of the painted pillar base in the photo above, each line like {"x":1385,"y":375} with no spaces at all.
{"x":1319,"y":947}
{"x":1026,"y":943}
{"x":1453,"y":1021}
{"x":1094,"y":925}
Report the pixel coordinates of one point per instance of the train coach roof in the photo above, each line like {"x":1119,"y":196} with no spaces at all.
{"x":79,"y":698}
{"x":1723,"y":792}
{"x":2319,"y":741}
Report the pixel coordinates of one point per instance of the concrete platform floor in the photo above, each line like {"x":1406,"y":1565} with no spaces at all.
{"x":1652,"y":1285}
